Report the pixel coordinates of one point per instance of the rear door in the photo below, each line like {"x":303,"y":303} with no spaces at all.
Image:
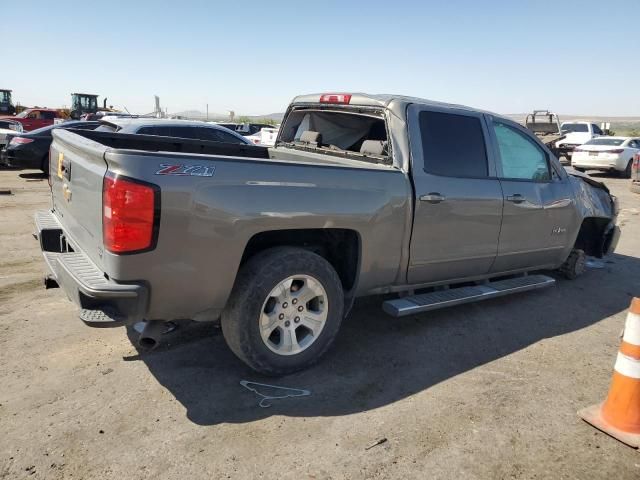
{"x":539,"y":210}
{"x":458,"y":199}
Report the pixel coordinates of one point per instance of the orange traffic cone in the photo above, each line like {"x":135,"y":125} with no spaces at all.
{"x":619,"y":415}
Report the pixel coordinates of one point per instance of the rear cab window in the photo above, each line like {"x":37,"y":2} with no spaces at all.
{"x":357,"y":133}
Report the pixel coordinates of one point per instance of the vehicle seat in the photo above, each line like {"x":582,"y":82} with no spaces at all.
{"x":310,"y":137}
{"x":374,"y":147}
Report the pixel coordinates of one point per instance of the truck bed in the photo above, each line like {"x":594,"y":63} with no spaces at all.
{"x":205,"y":221}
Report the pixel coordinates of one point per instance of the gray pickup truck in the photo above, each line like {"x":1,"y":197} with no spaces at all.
{"x":362,"y":194}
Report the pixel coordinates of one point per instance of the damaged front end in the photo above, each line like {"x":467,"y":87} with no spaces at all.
{"x":599,"y":234}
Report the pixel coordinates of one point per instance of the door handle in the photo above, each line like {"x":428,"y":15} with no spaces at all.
{"x":517,"y":198}
{"x":432,"y":197}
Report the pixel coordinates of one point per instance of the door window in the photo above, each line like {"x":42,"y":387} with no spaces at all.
{"x":596,"y":129}
{"x":521,"y":158}
{"x":453,"y":145}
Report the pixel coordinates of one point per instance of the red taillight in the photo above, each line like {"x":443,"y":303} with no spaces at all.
{"x":343,"y":98}
{"x":130,"y":214}
{"x":20,"y":141}
{"x":615,"y":150}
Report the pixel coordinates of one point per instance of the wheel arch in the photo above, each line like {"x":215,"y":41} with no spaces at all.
{"x":342,"y":248}
{"x":595,"y":236}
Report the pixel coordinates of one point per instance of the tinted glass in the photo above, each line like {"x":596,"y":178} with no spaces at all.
{"x":453,"y":145}
{"x":596,"y":130}
{"x":575,"y":127}
{"x":520,"y":157}
{"x":225,"y":137}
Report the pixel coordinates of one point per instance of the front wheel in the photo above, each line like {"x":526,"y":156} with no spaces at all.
{"x":627,"y":171}
{"x":284,"y":311}
{"x":574,"y":265}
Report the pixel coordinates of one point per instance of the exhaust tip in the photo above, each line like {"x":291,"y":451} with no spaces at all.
{"x":151,"y":331}
{"x":148,"y":343}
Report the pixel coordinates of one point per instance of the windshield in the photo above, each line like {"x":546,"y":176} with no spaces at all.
{"x":612,"y":142}
{"x":575,"y":127}
{"x":23,"y":114}
{"x":5,"y":97}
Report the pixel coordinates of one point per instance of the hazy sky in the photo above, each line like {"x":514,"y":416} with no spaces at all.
{"x":578,"y":57}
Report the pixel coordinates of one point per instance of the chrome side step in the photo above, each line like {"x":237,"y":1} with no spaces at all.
{"x":400,"y":307}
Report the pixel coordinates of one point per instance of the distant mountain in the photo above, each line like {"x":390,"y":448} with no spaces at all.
{"x":200,"y":115}
{"x":566,"y":117}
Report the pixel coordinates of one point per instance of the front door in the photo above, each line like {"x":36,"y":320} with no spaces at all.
{"x":458,"y":204}
{"x":539,"y":212}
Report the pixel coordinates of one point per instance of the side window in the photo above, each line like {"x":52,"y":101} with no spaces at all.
{"x":147,"y":131}
{"x":453,"y":145}
{"x":520,"y":157}
{"x":225,"y":137}
{"x":208,"y":134}
{"x":596,"y":129}
{"x":47,"y":115}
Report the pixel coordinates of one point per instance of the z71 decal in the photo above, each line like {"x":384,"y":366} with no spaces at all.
{"x":186,"y":170}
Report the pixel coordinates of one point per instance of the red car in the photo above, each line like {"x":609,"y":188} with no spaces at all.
{"x":33,"y":118}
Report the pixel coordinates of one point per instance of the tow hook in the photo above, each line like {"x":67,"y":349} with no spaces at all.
{"x":50,"y":282}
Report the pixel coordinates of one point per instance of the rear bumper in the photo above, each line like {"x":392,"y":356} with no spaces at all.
{"x":597,"y":164}
{"x":20,"y":159}
{"x":102,"y":301}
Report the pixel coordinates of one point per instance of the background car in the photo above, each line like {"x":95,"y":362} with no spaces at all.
{"x":8,"y":127}
{"x":171,"y":128}
{"x":266,"y":137}
{"x":606,"y":154}
{"x":245,"y":129}
{"x":34,"y":118}
{"x":31,"y":149}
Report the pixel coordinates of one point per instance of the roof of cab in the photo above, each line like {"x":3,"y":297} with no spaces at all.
{"x":395,"y":103}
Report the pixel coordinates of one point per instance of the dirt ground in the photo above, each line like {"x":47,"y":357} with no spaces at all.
{"x":479,"y":391}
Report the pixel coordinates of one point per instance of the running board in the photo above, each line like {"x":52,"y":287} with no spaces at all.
{"x":400,"y":307}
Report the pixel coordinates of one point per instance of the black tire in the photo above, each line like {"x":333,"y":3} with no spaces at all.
{"x":44,"y":165}
{"x":627,"y":171}
{"x":255,"y":281}
{"x":579,"y":169}
{"x":574,"y":265}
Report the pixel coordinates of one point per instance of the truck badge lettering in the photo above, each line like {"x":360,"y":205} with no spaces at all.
{"x":186,"y":170}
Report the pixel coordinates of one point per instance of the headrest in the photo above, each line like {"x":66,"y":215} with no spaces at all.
{"x":309,"y":136}
{"x":373,"y":147}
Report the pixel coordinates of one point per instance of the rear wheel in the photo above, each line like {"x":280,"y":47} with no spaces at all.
{"x":284,"y":311}
{"x":627,"y":170}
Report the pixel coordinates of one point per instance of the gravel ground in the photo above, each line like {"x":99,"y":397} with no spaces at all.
{"x":480,"y":391}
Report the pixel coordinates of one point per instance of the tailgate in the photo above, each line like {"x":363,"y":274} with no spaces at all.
{"x":77,"y":168}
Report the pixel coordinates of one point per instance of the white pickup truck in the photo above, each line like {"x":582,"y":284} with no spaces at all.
{"x":576,"y":134}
